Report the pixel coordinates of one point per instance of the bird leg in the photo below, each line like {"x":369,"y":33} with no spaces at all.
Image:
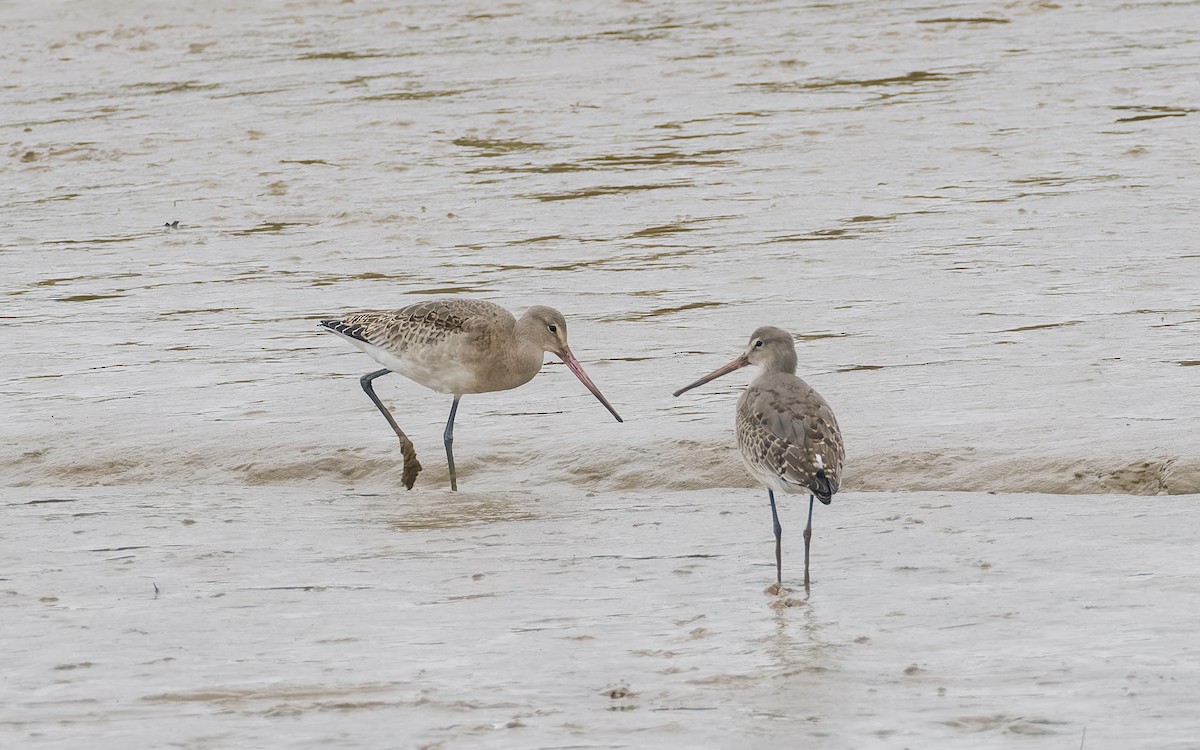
{"x":412,"y":466}
{"x":778,"y":541}
{"x":448,"y":439}
{"x":807,"y":541}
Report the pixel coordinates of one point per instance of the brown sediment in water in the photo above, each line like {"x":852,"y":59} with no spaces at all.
{"x":673,"y":465}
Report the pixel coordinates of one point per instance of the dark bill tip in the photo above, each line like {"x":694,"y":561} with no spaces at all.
{"x":574,"y":366}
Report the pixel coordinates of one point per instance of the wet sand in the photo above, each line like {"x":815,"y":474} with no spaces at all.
{"x":559,"y":618}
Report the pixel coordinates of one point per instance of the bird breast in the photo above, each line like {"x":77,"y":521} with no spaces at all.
{"x":470,"y":364}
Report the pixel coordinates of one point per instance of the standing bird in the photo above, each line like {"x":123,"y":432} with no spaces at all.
{"x":458,"y":346}
{"x":786,"y":432}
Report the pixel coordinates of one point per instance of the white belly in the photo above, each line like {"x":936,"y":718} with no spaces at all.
{"x":430,"y":368}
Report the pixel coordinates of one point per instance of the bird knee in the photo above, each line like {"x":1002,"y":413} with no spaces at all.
{"x":365,"y":380}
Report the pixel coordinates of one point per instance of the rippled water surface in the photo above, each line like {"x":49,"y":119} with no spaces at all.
{"x":978,"y":219}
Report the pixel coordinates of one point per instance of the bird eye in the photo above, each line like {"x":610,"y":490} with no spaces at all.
{"x":553,"y":328}
{"x":758,"y":343}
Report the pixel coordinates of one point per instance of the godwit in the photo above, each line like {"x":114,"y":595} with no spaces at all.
{"x":786,"y":432}
{"x":458,"y":346}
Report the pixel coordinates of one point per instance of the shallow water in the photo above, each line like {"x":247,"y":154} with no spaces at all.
{"x":268,"y":617}
{"x":978,"y":220}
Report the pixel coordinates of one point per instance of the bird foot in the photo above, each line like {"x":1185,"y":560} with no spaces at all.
{"x":412,"y":467}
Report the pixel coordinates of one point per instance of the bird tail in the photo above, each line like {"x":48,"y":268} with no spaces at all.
{"x":824,"y":487}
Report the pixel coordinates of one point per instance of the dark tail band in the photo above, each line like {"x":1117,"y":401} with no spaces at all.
{"x":823,"y":488}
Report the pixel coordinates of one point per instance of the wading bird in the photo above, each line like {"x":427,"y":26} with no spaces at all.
{"x":458,"y":346}
{"x":786,"y":432}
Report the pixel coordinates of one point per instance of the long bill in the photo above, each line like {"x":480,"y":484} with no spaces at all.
{"x":736,"y":364}
{"x":573,"y":365}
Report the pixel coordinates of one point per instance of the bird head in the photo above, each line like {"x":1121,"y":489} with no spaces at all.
{"x":769,"y":347}
{"x":772,"y":349}
{"x":547,"y":328}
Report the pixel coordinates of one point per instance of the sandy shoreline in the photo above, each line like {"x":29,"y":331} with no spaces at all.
{"x":289,"y":618}
{"x":368,"y":459}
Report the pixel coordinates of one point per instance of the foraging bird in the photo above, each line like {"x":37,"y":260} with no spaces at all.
{"x":786,"y":432}
{"x":458,"y":346}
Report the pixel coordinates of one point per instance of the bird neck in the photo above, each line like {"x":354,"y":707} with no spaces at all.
{"x":529,"y":357}
{"x":780,"y":361}
{"x":523,"y":361}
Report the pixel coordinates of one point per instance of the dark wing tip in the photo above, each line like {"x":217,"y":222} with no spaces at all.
{"x":346,"y":329}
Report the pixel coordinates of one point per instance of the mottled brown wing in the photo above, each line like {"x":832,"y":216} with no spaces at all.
{"x":426,"y":324}
{"x":786,"y":430}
